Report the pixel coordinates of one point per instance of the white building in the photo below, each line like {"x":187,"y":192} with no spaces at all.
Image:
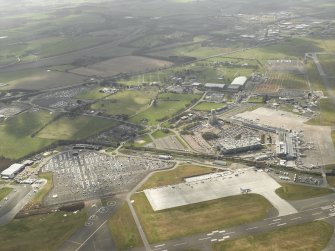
{"x":238,"y":83}
{"x":11,"y":171}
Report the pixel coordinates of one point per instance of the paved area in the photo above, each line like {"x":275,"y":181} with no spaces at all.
{"x":89,"y":174}
{"x":323,"y":151}
{"x":218,"y":185}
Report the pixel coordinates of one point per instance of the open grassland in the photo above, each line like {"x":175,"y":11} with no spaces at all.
{"x":207,"y":106}
{"x":93,"y":93}
{"x":38,"y":198}
{"x":175,"y":175}
{"x":126,"y":102}
{"x":75,"y":128}
{"x":331,"y":179}
{"x":39,"y":79}
{"x":161,"y":134}
{"x":300,"y":192}
{"x":311,"y":236}
{"x":201,"y":217}
{"x":123,"y":229}
{"x":41,"y":232}
{"x":166,"y":106}
{"x":127,"y":64}
{"x":141,"y":141}
{"x":15,"y":134}
{"x":4,"y":191}
{"x":327,"y":114}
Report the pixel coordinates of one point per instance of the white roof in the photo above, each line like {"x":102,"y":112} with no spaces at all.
{"x":214,"y":85}
{"x":239,"y":80}
{"x":12,"y":169}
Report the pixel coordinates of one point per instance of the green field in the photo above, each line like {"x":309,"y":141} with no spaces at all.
{"x":141,"y":141}
{"x":331,"y":180}
{"x":92,"y":94}
{"x":126,"y":102}
{"x":16,"y":132}
{"x":327,"y":114}
{"x":300,"y":192}
{"x":311,"y":236}
{"x":4,"y":191}
{"x":207,"y":106}
{"x":123,"y":229}
{"x":175,"y":175}
{"x":167,"y":105}
{"x":76,"y":128}
{"x":38,"y":198}
{"x":201,"y":217}
{"x":258,"y":99}
{"x":40,"y":233}
{"x":161,"y":134}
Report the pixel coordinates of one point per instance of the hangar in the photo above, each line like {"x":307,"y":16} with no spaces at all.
{"x":11,"y":171}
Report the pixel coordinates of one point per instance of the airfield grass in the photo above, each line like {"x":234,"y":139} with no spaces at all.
{"x":126,"y":102}
{"x":200,"y":217}
{"x":327,"y":114}
{"x":258,"y":99}
{"x":41,"y":232}
{"x":167,"y":105}
{"x":175,"y":175}
{"x":331,"y":180}
{"x":92,"y":94}
{"x":328,"y":64}
{"x":161,"y":134}
{"x":311,"y":236}
{"x":300,"y":192}
{"x":16,"y":134}
{"x":123,"y":229}
{"x":207,"y":106}
{"x":143,"y":140}
{"x":38,"y":198}
{"x":75,"y":128}
{"x":4,"y":191}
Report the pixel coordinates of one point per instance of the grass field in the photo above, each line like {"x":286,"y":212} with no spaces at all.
{"x":123,"y":229}
{"x":16,"y":132}
{"x":38,"y":198}
{"x":311,"y":236}
{"x":200,"y":217}
{"x":76,"y":128}
{"x":126,"y":102}
{"x":300,"y":192}
{"x":174,"y":176}
{"x":92,"y":94}
{"x":40,"y":233}
{"x":161,"y":134}
{"x":327,"y":114}
{"x":4,"y":191}
{"x":143,"y":140}
{"x":331,"y":180}
{"x":207,"y":106}
{"x":167,"y":105}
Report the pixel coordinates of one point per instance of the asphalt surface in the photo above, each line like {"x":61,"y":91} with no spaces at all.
{"x":94,"y":235}
{"x":16,"y":201}
{"x":205,"y":240}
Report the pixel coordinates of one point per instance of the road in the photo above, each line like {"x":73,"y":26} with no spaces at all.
{"x":205,"y":240}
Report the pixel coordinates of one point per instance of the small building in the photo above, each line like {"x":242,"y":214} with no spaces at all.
{"x":214,"y":86}
{"x":165,"y":157}
{"x":12,"y":171}
{"x":28,"y":162}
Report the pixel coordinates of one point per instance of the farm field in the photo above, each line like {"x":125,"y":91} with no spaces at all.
{"x":300,"y":192}
{"x":201,"y":217}
{"x":127,"y":64}
{"x":75,"y":128}
{"x":207,"y":106}
{"x":123,"y":229}
{"x":50,"y":229}
{"x":16,"y":132}
{"x":167,"y":105}
{"x":127,"y":102}
{"x":39,"y":80}
{"x":316,"y":236}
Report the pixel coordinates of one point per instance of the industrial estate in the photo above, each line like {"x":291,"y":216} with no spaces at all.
{"x":177,"y":125}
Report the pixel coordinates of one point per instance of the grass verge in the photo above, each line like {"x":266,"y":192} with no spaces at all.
{"x":4,"y":191}
{"x":300,"y":192}
{"x":311,"y":236}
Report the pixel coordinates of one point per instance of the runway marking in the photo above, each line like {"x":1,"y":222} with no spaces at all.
{"x":317,"y":213}
{"x":276,"y":219}
{"x":222,"y":231}
{"x":250,"y":228}
{"x":210,"y":234}
{"x":327,"y":207}
{"x":223,"y":238}
{"x":216,"y":231}
{"x":214,"y":240}
{"x":332,"y":214}
{"x":179,"y":244}
{"x":74,"y":242}
{"x":281,"y":224}
{"x":161,"y":245}
{"x":204,"y":238}
{"x":273,"y":223}
{"x":296,"y":218}
{"x":229,"y":233}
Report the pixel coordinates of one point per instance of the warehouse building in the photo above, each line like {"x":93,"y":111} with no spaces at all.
{"x":238,"y":84}
{"x":12,"y":171}
{"x":214,"y":86}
